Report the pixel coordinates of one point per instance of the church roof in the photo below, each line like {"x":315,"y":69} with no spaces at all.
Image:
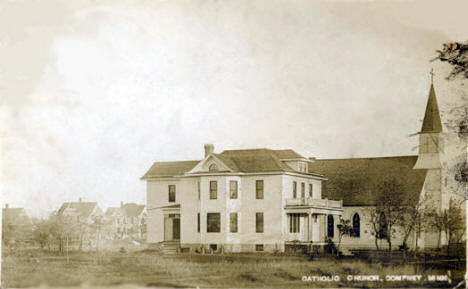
{"x":432,"y":123}
{"x":356,"y":181}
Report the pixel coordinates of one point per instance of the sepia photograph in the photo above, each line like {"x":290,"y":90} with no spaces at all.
{"x":233,"y":144}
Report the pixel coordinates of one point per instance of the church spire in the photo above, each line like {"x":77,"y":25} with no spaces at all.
{"x":430,"y":141}
{"x":432,"y":122}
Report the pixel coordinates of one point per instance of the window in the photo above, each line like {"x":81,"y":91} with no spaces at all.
{"x":259,"y":247}
{"x":302,"y":190}
{"x":310,"y":190}
{"x":213,"y":168}
{"x":356,"y":225}
{"x":198,"y":222}
{"x":233,"y":222}
{"x":330,"y":226}
{"x":199,"y":189}
{"x":213,"y":190}
{"x":259,"y":222}
{"x":433,"y":145}
{"x":214,"y":247}
{"x":294,"y":223}
{"x":424,"y":144}
{"x":233,"y":189}
{"x":171,"y":193}
{"x":294,"y":190}
{"x":383,"y":226}
{"x":213,"y":222}
{"x":259,"y":189}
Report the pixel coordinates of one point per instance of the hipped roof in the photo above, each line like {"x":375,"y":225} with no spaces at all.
{"x":243,"y":161}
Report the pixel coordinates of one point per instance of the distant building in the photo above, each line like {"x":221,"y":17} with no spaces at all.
{"x":114,"y":221}
{"x":126,"y":221}
{"x":85,"y":221}
{"x":16,"y":225}
{"x":85,"y":212}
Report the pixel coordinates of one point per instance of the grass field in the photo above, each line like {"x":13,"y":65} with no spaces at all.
{"x":150,"y":268}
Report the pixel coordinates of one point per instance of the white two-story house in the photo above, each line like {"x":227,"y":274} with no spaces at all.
{"x":237,"y":201}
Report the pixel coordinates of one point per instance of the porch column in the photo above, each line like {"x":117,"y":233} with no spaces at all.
{"x":325,"y":227}
{"x":309,"y":227}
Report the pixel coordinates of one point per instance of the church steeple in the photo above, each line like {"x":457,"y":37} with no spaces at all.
{"x":430,"y":142}
{"x":432,"y":123}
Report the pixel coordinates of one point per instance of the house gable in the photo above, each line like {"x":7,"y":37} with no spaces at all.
{"x":211,"y":163}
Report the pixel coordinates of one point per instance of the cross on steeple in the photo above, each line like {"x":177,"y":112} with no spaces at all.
{"x":432,"y":75}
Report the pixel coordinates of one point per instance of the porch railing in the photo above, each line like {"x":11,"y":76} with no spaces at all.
{"x":314,"y":202}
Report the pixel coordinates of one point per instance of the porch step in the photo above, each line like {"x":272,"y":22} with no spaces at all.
{"x":170,"y":248}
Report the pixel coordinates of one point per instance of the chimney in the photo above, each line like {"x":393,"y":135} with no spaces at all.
{"x":121,"y":204}
{"x":79,"y":200}
{"x":6,"y":206}
{"x":209,"y":149}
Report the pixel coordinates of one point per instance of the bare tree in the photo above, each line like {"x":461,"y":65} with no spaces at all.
{"x":449,"y":222}
{"x":411,"y":220}
{"x":344,"y":229}
{"x":389,"y":211}
{"x":42,"y":232}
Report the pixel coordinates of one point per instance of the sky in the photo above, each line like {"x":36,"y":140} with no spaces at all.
{"x":93,"y":92}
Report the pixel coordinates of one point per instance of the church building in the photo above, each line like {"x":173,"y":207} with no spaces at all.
{"x":268,"y":200}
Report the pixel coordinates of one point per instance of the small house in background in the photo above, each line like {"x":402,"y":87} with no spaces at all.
{"x":135,"y":220}
{"x":114,"y":223}
{"x":126,"y":221}
{"x":14,"y":215}
{"x":16,"y":225}
{"x":85,"y":212}
{"x":84,"y":221}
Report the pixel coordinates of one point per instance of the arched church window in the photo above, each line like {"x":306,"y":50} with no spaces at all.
{"x":330,"y":226}
{"x":213,"y":168}
{"x":383,"y":221}
{"x":356,"y":225}
{"x":383,"y":226}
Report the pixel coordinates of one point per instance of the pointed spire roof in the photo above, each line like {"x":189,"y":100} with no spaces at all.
{"x":432,"y":122}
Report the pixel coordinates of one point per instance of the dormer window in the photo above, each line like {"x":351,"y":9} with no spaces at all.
{"x":302,"y":167}
{"x":213,"y":168}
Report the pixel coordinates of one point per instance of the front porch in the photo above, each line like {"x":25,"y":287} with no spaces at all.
{"x":311,"y":221}
{"x":171,"y":223}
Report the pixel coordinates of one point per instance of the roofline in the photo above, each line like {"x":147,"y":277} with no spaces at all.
{"x":298,"y":159}
{"x":362,"y":205}
{"x":358,"y":205}
{"x":430,"y":132}
{"x":143,"y":178}
{"x":187,"y":161}
{"x":314,"y":176}
{"x":366,"y":158}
